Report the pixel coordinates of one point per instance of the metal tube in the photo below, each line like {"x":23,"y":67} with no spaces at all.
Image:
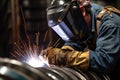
{"x":16,"y":70}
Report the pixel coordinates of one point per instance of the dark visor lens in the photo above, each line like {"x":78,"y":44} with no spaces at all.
{"x":70,"y":20}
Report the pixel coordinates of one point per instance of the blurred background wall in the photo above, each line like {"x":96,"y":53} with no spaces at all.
{"x":115,"y":3}
{"x":25,"y":20}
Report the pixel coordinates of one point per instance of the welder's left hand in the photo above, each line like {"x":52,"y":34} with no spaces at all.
{"x":66,"y":56}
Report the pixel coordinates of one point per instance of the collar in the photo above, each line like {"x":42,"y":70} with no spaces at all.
{"x":95,"y":9}
{"x":93,"y":25}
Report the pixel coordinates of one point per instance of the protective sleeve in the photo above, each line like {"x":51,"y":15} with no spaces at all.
{"x":67,"y":56}
{"x":76,"y":45}
{"x":107,"y":53}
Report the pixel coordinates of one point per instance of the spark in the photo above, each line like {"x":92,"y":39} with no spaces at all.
{"x":36,"y":61}
{"x":45,"y":36}
{"x":29,"y":52}
{"x":56,"y":43}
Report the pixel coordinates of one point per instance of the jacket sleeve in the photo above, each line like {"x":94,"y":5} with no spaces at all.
{"x":76,"y":59}
{"x":107,"y":53}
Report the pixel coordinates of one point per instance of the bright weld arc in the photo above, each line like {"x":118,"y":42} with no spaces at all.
{"x":37,"y":62}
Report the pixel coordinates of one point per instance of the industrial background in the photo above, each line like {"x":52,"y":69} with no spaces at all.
{"x":23,"y":26}
{"x":23,"y":20}
{"x":20,"y":19}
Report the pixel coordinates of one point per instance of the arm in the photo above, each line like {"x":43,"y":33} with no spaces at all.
{"x":107,"y":52}
{"x":103,"y":59}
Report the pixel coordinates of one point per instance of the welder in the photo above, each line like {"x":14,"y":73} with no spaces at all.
{"x":91,"y":33}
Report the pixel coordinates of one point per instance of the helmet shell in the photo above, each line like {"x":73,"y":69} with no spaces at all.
{"x":59,"y":2}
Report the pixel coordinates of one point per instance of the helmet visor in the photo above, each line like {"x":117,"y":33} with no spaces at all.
{"x":67,"y":21}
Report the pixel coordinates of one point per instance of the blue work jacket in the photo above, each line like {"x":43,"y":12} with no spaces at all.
{"x":105,"y":57}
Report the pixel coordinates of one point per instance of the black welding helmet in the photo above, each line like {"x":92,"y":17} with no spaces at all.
{"x":66,"y":19}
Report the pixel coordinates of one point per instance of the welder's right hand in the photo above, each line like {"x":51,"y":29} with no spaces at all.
{"x":56,"y":56}
{"x":67,"y":56}
{"x":48,"y":55}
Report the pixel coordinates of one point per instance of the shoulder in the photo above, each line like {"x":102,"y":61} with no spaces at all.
{"x":112,"y":18}
{"x":96,"y":8}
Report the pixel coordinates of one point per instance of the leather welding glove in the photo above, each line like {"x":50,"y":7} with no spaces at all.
{"x":67,"y":56}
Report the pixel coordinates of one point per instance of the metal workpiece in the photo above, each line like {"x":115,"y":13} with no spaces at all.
{"x":62,"y":73}
{"x":15,"y":70}
{"x":66,"y":73}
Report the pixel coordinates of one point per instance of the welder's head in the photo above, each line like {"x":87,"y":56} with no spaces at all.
{"x":66,"y":18}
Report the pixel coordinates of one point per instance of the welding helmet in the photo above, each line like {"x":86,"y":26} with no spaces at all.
{"x":66,"y":19}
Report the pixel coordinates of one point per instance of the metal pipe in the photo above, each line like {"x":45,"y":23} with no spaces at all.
{"x":15,"y":70}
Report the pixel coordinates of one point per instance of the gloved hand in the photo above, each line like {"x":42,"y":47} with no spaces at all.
{"x":48,"y":55}
{"x":54,"y":56}
{"x":67,"y":56}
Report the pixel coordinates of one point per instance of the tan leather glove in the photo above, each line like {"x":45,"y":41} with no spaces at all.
{"x":67,"y":56}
